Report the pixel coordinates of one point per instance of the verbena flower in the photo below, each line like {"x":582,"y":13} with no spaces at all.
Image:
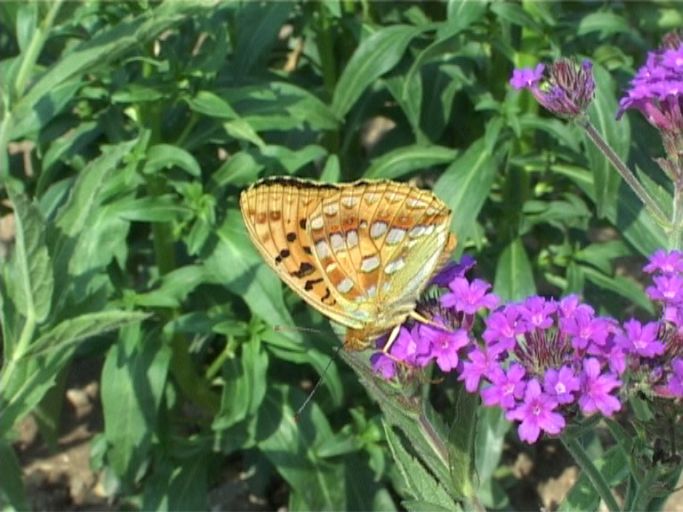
{"x":567,"y":91}
{"x":536,"y":413}
{"x":533,"y":363}
{"x":657,"y":88}
{"x":654,"y":351}
{"x":451,"y":321}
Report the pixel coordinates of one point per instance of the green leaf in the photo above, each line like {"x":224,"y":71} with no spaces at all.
{"x":606,"y":180}
{"x":514,"y":277}
{"x":293,"y":160}
{"x":30,"y":281}
{"x":257,"y":27}
{"x":280,"y":106}
{"x":516,"y":15}
{"x":107,"y":45}
{"x":461,"y":440}
{"x":244,"y":386}
{"x":178,"y":484}
{"x":375,"y":56}
{"x":285,"y":442}
{"x":27,"y":20}
{"x":491,"y":429}
{"x":133,"y":380}
{"x":630,"y":216}
{"x":209,"y":104}
{"x":583,"y":496}
{"x":236,"y":265}
{"x":407,"y":159}
{"x":12,"y":495}
{"x":84,"y":197}
{"x":606,"y":23}
{"x":174,"y":289}
{"x":70,"y":332}
{"x":621,"y":285}
{"x":162,"y":156}
{"x":419,"y":482}
{"x":163,"y":208}
{"x":462,"y":13}
{"x":240,"y":129}
{"x":465,"y":185}
{"x":30,"y":118}
{"x":242,"y":168}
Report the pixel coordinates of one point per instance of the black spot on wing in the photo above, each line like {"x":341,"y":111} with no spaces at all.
{"x":304,"y":269}
{"x":311,"y":283}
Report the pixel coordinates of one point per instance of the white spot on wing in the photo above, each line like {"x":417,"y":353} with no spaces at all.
{"x":330,"y":209}
{"x":371,"y":198}
{"x":371,"y":292}
{"x":352,"y":238}
{"x":322,"y":249}
{"x":370,"y":263}
{"x":349,"y":201}
{"x":415,"y":203}
{"x":394,"y":266}
{"x":317,"y":223}
{"x":337,"y":242}
{"x":378,"y":228}
{"x":395,"y":236}
{"x":345,"y":285}
{"x":417,"y":231}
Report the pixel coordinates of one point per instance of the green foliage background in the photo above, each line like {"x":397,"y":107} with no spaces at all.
{"x":128,"y":131}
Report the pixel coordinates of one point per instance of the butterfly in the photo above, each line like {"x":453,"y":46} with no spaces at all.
{"x":361,"y":253}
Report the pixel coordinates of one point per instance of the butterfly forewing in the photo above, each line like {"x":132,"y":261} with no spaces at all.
{"x":360,"y":253}
{"x":276,"y":212}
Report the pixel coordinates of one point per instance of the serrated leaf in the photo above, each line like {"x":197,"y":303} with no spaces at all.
{"x":69,"y":332}
{"x":31,"y":281}
{"x":133,"y":380}
{"x":421,"y":484}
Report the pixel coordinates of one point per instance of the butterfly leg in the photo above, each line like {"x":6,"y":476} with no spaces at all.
{"x":392,"y":338}
{"x":424,"y":320}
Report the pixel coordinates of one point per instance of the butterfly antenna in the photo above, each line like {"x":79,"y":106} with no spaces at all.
{"x":297,"y":415}
{"x":286,"y":328}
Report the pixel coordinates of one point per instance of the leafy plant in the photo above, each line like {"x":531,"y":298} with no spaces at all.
{"x":127,"y":131}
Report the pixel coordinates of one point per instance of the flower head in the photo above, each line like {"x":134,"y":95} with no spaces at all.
{"x":567,"y":91}
{"x":469,"y":297}
{"x":595,"y":389}
{"x":641,"y":339}
{"x":657,"y":88}
{"x":536,"y":413}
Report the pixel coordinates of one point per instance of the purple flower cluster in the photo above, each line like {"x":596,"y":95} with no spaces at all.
{"x":451,"y":321}
{"x":543,"y":360}
{"x":657,"y":88}
{"x":567,"y":91}
{"x":656,"y":349}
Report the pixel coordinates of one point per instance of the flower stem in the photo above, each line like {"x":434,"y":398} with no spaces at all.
{"x":586,"y":464}
{"x":626,"y":173}
{"x":676,"y":233}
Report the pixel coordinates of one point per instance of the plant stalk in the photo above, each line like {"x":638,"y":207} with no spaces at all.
{"x":626,"y":173}
{"x":586,"y":464}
